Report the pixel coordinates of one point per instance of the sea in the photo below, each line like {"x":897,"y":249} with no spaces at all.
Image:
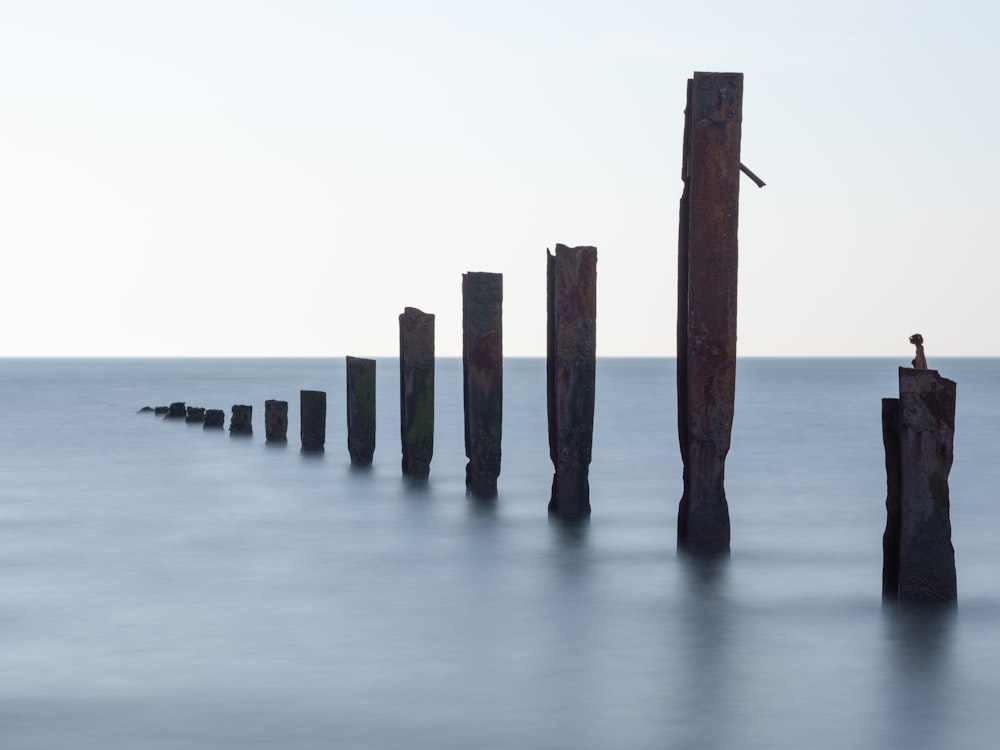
{"x":163,"y":586}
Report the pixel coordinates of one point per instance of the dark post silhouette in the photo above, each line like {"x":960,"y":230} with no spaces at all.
{"x":571,"y":372}
{"x":241,"y":421}
{"x":919,"y":559}
{"x":706,"y":305}
{"x":893,"y":495}
{"x":361,"y":410}
{"x":312,"y":421}
{"x":416,"y":390}
{"x":276,"y":421}
{"x":195,"y":415}
{"x":176,"y":410}
{"x":482,"y":381}
{"x":215,"y":419}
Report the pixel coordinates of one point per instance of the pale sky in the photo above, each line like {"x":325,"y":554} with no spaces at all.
{"x":283,"y":178}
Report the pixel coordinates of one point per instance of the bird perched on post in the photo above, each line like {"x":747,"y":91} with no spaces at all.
{"x":920,"y":361}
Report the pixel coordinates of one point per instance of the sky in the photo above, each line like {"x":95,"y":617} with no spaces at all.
{"x":281,"y":179}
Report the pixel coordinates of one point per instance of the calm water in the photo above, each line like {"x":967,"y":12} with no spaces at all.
{"x":166,"y":587}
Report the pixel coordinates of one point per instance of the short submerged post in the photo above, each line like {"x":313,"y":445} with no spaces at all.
{"x":312,"y":405}
{"x":361,"y":410}
{"x":706,"y":306}
{"x":215,"y":419}
{"x":918,"y":432}
{"x":571,"y":373}
{"x":482,"y":379}
{"x":195,"y":415}
{"x":276,"y":421}
{"x":241,"y":422}
{"x":416,"y":390}
{"x":176,"y":410}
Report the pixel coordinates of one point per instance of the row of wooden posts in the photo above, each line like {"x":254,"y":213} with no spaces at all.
{"x":917,"y":427}
{"x":572,"y":303}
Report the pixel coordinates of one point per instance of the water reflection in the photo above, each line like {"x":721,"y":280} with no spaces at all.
{"x":920,"y":694}
{"x":706,"y":662}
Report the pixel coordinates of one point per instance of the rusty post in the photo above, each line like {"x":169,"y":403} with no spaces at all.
{"x":893,"y":475}
{"x":312,"y":421}
{"x":276,"y":421}
{"x":241,"y":421}
{"x":176,"y":410}
{"x":571,"y":373}
{"x":416,"y":390}
{"x":361,"y":410}
{"x":920,"y":523}
{"x":706,"y":305}
{"x":482,"y":379}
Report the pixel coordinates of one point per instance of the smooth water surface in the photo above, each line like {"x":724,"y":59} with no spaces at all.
{"x":163,"y":586}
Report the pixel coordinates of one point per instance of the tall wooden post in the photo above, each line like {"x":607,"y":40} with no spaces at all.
{"x":482,"y":381}
{"x":361,"y":410}
{"x":416,"y":390}
{"x":571,"y":372}
{"x":312,"y":421}
{"x":918,"y":506}
{"x":706,"y":305}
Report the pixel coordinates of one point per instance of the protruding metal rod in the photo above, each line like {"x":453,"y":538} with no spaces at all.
{"x":746,"y":170}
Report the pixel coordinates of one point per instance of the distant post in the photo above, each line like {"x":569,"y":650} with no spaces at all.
{"x":571,"y":373}
{"x":918,"y":432}
{"x":416,"y":390}
{"x":241,"y":421}
{"x":312,"y":405}
{"x":195,"y":415}
{"x":706,"y":305}
{"x":176,"y":410}
{"x":276,"y":421}
{"x":482,"y":379}
{"x":361,"y":410}
{"x":215,"y":419}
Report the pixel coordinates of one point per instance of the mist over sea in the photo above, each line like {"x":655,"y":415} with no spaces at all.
{"x":164,"y":586}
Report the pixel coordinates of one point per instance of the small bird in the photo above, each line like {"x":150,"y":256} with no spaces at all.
{"x":920,"y":361}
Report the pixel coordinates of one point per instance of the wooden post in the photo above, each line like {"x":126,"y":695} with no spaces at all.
{"x":921,"y":525}
{"x":215,"y":419}
{"x":571,"y":372}
{"x":416,"y":390}
{"x":176,"y":410}
{"x":195,"y":415}
{"x":241,"y":422}
{"x":706,"y":306}
{"x":312,"y":413}
{"x":482,"y":379}
{"x":361,"y":410}
{"x":276,"y":421}
{"x":893,"y":473}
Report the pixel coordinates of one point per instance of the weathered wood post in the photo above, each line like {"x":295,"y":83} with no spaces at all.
{"x":571,"y":373}
{"x":361,"y":410}
{"x":312,"y":413}
{"x":241,"y":421}
{"x":176,"y":410}
{"x":706,"y":305}
{"x":195,"y":415}
{"x":918,"y":556}
{"x":482,"y":381}
{"x":416,"y":390}
{"x":275,"y":421}
{"x":215,"y":419}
